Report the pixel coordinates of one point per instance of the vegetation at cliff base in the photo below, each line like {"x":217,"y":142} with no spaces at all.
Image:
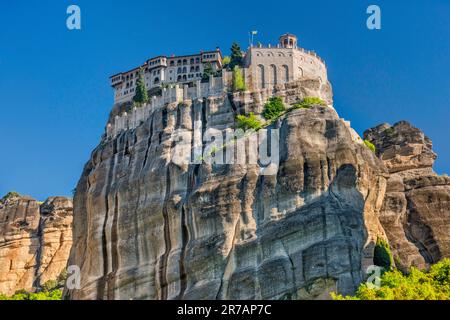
{"x":417,"y":285}
{"x":238,"y":79}
{"x":370,"y":145}
{"x":248,"y":122}
{"x":273,"y":108}
{"x":141,"y":95}
{"x":43,"y":295}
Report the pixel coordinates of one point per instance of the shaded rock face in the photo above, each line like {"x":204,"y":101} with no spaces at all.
{"x":416,"y":210}
{"x":35,"y":241}
{"x":146,"y":228}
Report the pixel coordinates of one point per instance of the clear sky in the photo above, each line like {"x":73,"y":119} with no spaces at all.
{"x":55,"y":95}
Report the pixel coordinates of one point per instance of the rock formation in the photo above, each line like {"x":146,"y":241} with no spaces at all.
{"x":416,"y":209}
{"x":147,"y":228}
{"x":35,"y":241}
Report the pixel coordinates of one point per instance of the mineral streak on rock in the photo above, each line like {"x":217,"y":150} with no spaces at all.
{"x":35,"y":241}
{"x":146,"y":228}
{"x":416,"y":209}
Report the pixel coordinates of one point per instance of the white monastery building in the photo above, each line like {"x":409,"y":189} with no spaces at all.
{"x":263,"y":67}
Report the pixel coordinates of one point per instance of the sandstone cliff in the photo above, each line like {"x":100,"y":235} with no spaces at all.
{"x":35,"y":241}
{"x":147,"y":228}
{"x":416,"y":209}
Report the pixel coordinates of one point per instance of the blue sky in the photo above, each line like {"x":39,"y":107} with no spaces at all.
{"x":55,"y":95}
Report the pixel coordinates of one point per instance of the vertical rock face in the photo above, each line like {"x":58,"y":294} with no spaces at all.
{"x":147,"y":228}
{"x":35,"y":241}
{"x":416,"y":210}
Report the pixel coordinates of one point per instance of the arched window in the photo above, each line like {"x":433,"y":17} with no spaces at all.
{"x":179,"y":62}
{"x":184,"y":61}
{"x":273,"y":70}
{"x":184,"y":70}
{"x":179,"y":70}
{"x":192,"y":69}
{"x":184,"y":77}
{"x":197,"y":69}
{"x":261,"y":77}
{"x":286,"y":73}
{"x":300,"y":72}
{"x":156,"y":81}
{"x":192,"y":61}
{"x":172,"y":63}
{"x":179,"y":78}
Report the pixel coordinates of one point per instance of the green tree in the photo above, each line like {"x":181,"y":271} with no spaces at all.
{"x":141,"y":95}
{"x":238,"y":79}
{"x":416,"y":285}
{"x":273,"y":108}
{"x":236,"y":56}
{"x":207,"y":72}
{"x":226,"y":62}
{"x":382,"y":255}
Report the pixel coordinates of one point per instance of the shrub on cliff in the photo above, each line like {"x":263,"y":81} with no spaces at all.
{"x":238,"y":79}
{"x":273,"y":108}
{"x":370,"y":145}
{"x":11,"y":194}
{"x":308,"y":102}
{"x":417,"y":285}
{"x":141,"y":95}
{"x":382,"y":255}
{"x":248,"y":122}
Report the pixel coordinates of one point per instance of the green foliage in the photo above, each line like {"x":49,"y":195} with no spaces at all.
{"x":42,"y":295}
{"x":370,"y":145}
{"x":417,"y":285}
{"x":382,"y":255}
{"x":308,"y":102}
{"x":226,"y":61}
{"x":273,"y":108}
{"x":207,"y":72}
{"x":236,"y":56}
{"x":141,"y":95}
{"x":248,"y":122}
{"x":238,"y":79}
{"x":11,"y":194}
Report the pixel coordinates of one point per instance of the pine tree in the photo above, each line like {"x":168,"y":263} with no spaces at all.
{"x":236,"y":56}
{"x":141,"y":95}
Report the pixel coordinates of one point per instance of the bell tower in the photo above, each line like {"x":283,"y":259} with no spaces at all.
{"x":288,"y":41}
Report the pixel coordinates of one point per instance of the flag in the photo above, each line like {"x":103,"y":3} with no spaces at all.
{"x":254,"y":33}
